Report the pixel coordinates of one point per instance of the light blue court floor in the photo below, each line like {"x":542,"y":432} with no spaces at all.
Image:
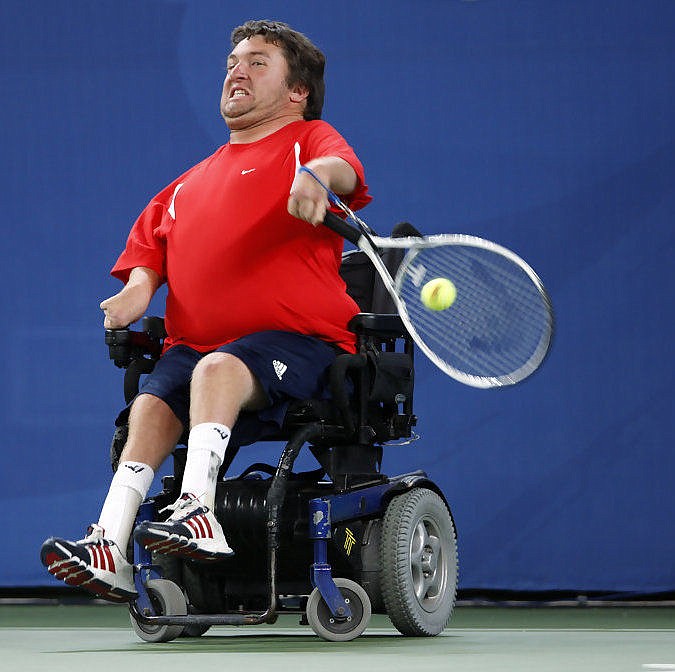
{"x":481,"y":639}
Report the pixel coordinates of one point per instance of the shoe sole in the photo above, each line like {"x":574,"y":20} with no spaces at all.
{"x":177,"y":546}
{"x":74,"y":571}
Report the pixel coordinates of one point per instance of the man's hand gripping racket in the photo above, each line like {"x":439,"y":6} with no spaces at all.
{"x":476,"y":309}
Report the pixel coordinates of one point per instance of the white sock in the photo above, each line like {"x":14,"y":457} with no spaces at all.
{"x":206,"y":450}
{"x":128,"y":489}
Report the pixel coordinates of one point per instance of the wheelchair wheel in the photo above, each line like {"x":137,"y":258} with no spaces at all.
{"x":334,"y":629}
{"x":194,"y":630}
{"x":418,"y":560}
{"x":168,"y":600}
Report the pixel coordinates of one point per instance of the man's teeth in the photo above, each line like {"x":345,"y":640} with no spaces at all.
{"x":239,"y":92}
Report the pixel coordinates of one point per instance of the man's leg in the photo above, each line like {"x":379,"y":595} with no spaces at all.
{"x":222,"y":385}
{"x":154,"y":431}
{"x":259,"y":371}
{"x":98,"y":561}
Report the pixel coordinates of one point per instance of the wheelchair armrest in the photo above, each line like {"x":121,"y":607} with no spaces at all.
{"x":127,"y":345}
{"x":154,"y":327}
{"x":380,"y":324}
{"x":136,"y":351}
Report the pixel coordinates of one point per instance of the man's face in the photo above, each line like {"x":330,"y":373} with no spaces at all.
{"x":255,"y":89}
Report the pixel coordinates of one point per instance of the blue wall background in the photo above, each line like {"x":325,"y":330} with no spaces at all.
{"x":546,"y":126}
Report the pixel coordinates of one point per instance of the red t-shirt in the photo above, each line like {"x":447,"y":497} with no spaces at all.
{"x":235,"y":262}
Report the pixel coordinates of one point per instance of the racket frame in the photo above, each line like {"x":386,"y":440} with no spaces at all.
{"x":364,"y":238}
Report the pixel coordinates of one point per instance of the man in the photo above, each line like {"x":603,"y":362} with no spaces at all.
{"x":255,"y":312}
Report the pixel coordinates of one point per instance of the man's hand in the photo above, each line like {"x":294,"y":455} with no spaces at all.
{"x":308,"y":199}
{"x":131,"y":303}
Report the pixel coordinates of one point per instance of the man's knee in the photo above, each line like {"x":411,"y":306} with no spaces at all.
{"x":154,"y":431}
{"x":151,"y":416}
{"x":219,"y":365}
{"x":226,"y":376}
{"x":148,"y":405}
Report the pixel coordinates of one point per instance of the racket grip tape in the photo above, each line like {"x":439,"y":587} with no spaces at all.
{"x":334,"y":223}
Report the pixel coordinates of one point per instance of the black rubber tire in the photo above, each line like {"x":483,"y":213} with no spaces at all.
{"x":418,"y":560}
{"x":194,"y":631}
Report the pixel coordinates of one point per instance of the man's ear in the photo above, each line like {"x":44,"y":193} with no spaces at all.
{"x":298,"y":93}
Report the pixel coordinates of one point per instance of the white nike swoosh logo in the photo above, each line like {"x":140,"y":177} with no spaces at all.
{"x":245,"y":172}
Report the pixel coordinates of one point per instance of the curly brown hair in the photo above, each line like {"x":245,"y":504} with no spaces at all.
{"x":305,"y":62}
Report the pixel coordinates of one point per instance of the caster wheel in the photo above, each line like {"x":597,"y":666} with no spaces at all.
{"x":168,"y":600}
{"x":192,"y":631}
{"x":335,"y":629}
{"x":418,"y":557}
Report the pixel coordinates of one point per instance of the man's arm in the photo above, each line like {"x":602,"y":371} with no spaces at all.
{"x":131,"y":303}
{"x":308,"y":199}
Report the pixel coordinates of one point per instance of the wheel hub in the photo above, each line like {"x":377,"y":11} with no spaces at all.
{"x":426,"y":563}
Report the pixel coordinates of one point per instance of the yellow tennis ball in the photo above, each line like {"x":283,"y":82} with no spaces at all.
{"x":438,"y":294}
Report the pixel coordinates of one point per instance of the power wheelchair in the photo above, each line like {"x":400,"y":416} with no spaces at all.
{"x":333,"y":545}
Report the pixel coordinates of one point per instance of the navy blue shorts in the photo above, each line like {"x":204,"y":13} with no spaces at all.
{"x":288,"y":366}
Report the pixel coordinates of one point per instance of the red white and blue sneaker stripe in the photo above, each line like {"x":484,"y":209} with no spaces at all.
{"x":191,"y":531}
{"x":93,"y":563}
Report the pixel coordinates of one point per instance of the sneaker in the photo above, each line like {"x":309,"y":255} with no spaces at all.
{"x":191,"y":531}
{"x":93,"y":563}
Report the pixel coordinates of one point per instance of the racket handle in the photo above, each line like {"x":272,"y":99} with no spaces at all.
{"x":334,"y":223}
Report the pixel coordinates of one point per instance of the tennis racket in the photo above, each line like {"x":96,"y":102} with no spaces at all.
{"x":498,"y":329}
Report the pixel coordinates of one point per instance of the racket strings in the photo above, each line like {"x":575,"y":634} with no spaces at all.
{"x":499,"y":324}
{"x":481,"y":337}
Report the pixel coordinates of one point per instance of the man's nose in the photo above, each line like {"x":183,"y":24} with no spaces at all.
{"x":237,"y":72}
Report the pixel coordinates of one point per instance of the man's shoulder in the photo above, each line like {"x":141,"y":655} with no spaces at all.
{"x":319,"y":126}
{"x":319,"y":134}
{"x":313,"y":127}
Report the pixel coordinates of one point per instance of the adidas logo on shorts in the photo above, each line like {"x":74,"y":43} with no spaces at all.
{"x":279,"y":368}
